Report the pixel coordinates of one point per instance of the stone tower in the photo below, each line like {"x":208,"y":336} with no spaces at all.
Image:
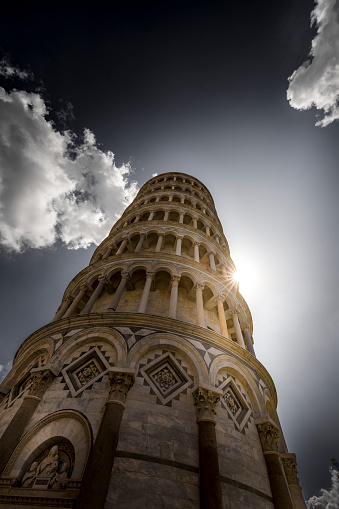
{"x":144,"y":390}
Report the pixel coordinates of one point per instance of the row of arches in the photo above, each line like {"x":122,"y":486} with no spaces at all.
{"x":163,"y":290}
{"x":173,"y":180}
{"x":170,"y":242}
{"x":159,"y":213}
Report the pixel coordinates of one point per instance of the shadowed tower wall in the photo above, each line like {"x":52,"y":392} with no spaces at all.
{"x":144,"y":391}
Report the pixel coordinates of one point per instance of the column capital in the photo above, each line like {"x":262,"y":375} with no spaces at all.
{"x":39,"y":378}
{"x":84,"y":286}
{"x":121,"y":381}
{"x":199,"y":286}
{"x":68,"y":299}
{"x":245,"y":326}
{"x":124,"y":274}
{"x":269,"y":436}
{"x":196,"y":243}
{"x":235,"y":310}
{"x":175,"y":280}
{"x":221,"y":297}
{"x":103,"y":280}
{"x":290,"y":466}
{"x":205,"y":400}
{"x":180,"y":236}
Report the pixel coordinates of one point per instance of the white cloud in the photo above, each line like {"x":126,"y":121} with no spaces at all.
{"x":10,"y":71}
{"x":4,"y":370}
{"x":328,"y":499}
{"x":316,"y":82}
{"x":50,"y":186}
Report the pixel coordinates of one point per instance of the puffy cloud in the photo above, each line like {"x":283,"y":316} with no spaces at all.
{"x":328,"y":499}
{"x":51,"y":185}
{"x":4,"y":370}
{"x":9,"y":70}
{"x":316,"y":82}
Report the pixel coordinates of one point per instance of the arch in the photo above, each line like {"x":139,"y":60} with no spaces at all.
{"x":94,"y":335}
{"x":173,"y":342}
{"x":239,"y":371}
{"x":51,"y":428}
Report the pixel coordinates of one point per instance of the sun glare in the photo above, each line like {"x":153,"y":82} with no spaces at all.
{"x":246,"y":276}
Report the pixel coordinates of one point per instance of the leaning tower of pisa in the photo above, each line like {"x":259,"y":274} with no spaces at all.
{"x":144,"y":390}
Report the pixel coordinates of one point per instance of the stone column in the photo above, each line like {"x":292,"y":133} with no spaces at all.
{"x":289,"y":462}
{"x":222,"y":318}
{"x":269,"y":435}
{"x":224,"y":271}
{"x":116,"y":298}
{"x":178,"y":246}
{"x":195,"y":222}
{"x":166,"y":215}
{"x":209,"y":477}
{"x":212,"y":260}
{"x":196,"y":251}
{"x":71,"y":310}
{"x":96,"y":478}
{"x":247,"y":336}
{"x":145,"y":293}
{"x":181,"y":217}
{"x":108,"y":252}
{"x":139,"y":244}
{"x":158,"y":197}
{"x":60,"y":313}
{"x":182,"y":200}
{"x":240,"y":340}
{"x":122,"y":247}
{"x":137,"y":218}
{"x":172,"y":313}
{"x":40,"y":379}
{"x":150,"y":217}
{"x":95,"y":295}
{"x":170,"y":197}
{"x":200,"y":304}
{"x":159,"y":244}
{"x":208,"y":232}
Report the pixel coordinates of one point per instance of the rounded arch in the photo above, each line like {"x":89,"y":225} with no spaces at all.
{"x":240,"y":372}
{"x":27,"y":358}
{"x":95,"y":335}
{"x":50,"y":429}
{"x":174,"y":343}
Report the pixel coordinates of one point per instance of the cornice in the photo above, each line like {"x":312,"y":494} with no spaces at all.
{"x":148,"y":321}
{"x":176,"y":174}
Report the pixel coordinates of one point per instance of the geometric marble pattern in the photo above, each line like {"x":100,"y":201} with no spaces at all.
{"x":133,"y":334}
{"x":165,"y":375}
{"x":235,"y":402}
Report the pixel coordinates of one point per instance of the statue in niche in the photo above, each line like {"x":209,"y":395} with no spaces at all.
{"x":48,"y":470}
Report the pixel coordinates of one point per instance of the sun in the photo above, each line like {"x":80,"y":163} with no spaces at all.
{"x":245,"y":275}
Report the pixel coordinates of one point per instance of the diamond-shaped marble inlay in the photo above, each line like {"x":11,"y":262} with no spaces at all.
{"x":235,"y":404}
{"x":85,"y":370}
{"x":166,"y":377}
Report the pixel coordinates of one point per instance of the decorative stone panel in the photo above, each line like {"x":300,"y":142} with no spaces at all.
{"x":166,"y":376}
{"x":235,"y":402}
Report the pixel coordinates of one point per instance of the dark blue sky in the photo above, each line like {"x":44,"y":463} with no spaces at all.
{"x":201,"y":88}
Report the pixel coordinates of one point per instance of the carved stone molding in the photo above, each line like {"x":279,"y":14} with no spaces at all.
{"x":39,"y":382}
{"x":269,"y":436}
{"x":290,"y":467}
{"x":234,"y":311}
{"x":205,"y":401}
{"x":121,"y":382}
{"x":14,"y":500}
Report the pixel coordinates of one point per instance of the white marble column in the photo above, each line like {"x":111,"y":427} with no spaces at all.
{"x":172,"y":313}
{"x":159,"y":244}
{"x":136,"y":220}
{"x":240,"y":340}
{"x":222,"y":318}
{"x":108,"y":252}
{"x":150,"y":217}
{"x":122,"y":246}
{"x":212,"y":260}
{"x":247,"y":337}
{"x":157,"y":198}
{"x":117,"y":296}
{"x":170,"y":197}
{"x":208,"y":232}
{"x":181,"y":217}
{"x":95,"y":295}
{"x":178,"y":245}
{"x":166,"y":215}
{"x":71,"y":310}
{"x":196,"y":251}
{"x":145,"y":293}
{"x":139,"y":244}
{"x":195,"y":222}
{"x":224,"y":271}
{"x":64,"y":305}
{"x":182,"y":200}
{"x":200,"y":304}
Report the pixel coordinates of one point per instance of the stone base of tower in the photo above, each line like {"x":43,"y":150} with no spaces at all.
{"x":156,"y":462}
